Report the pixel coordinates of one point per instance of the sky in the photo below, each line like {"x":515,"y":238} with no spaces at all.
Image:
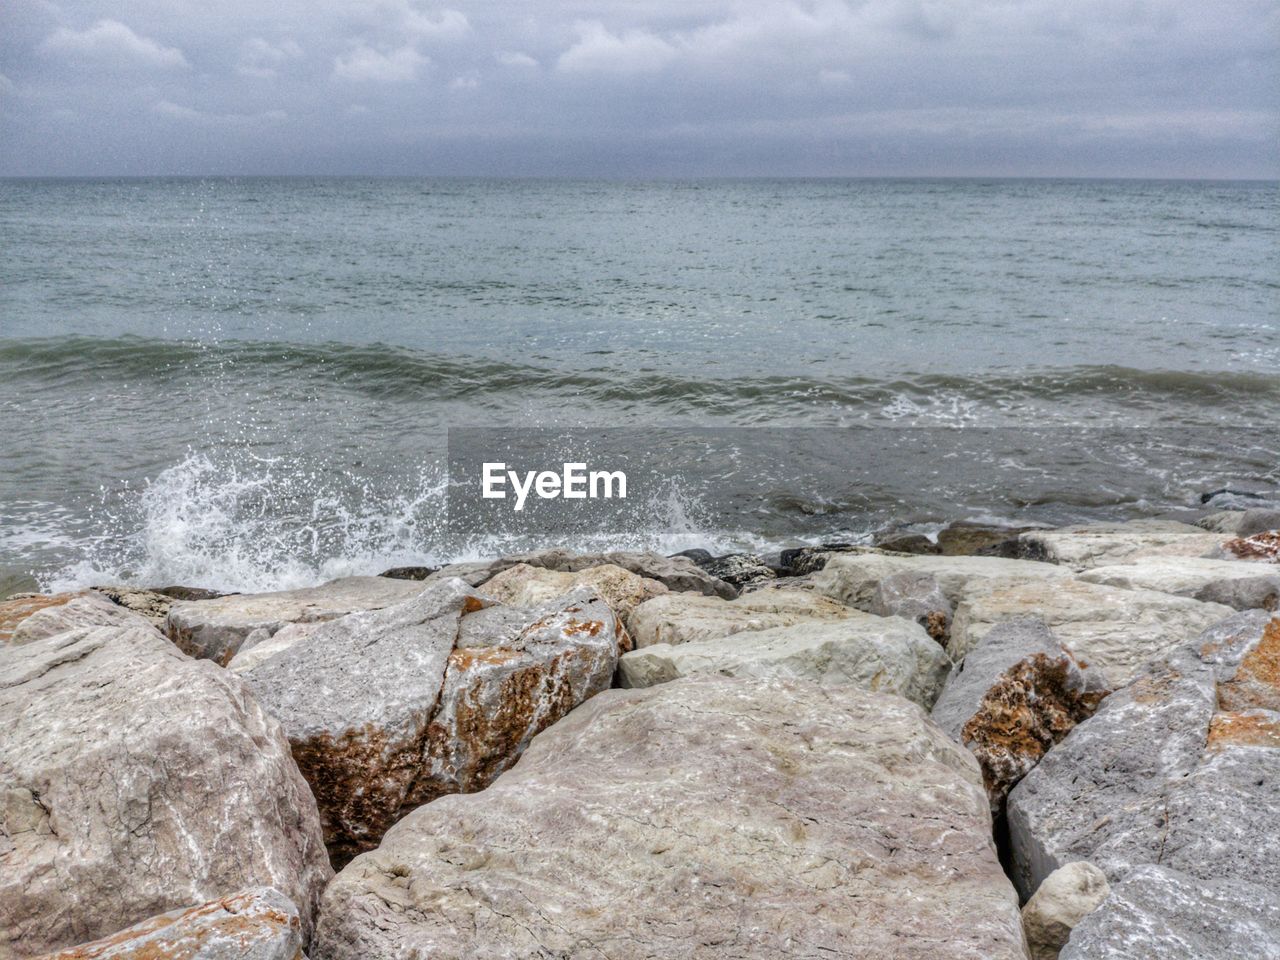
{"x":642,"y":88}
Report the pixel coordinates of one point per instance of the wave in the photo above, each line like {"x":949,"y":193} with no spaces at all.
{"x":390,"y":372}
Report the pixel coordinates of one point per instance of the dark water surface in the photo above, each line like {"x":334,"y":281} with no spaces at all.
{"x":248,"y":383}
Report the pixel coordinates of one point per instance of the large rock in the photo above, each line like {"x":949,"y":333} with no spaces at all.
{"x":391,"y":708}
{"x":215,"y":629}
{"x":887,"y":654}
{"x":1258,"y":520}
{"x":261,"y":924}
{"x":1066,"y":897}
{"x":708,"y":817}
{"x":1111,"y":628}
{"x":524,"y":586}
{"x":1241,"y":586}
{"x":678,"y":573}
{"x":854,"y":579}
{"x":1103,"y":544}
{"x":1161,"y":913}
{"x":686,"y":618}
{"x":1178,"y":768}
{"x":17,"y":609}
{"x":89,"y":610}
{"x":135,"y":780}
{"x":739,"y":570}
{"x":1017,"y":693}
{"x":916,"y":596}
{"x":1261,"y":548}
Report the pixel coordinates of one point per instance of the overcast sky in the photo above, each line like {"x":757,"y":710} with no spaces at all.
{"x":642,"y":87}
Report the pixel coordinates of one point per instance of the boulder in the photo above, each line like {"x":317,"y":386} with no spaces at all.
{"x":710,"y":817}
{"x":685,"y":617}
{"x":802,"y":561}
{"x":854,"y":578}
{"x":1103,"y":544}
{"x":918,"y":544}
{"x":1017,"y":693}
{"x":739,"y":569}
{"x":917,"y":596}
{"x":1258,"y":520}
{"x":1111,"y":628}
{"x":16,"y":609}
{"x":88,"y":610}
{"x":391,"y":708}
{"x":134,"y":780}
{"x":261,"y":924}
{"x":523,"y":586}
{"x":215,"y":629}
{"x":887,"y":654}
{"x":1178,"y":768}
{"x":1161,"y":913}
{"x":1261,"y":547}
{"x":1066,"y":897}
{"x":1221,"y":521}
{"x":965,"y":538}
{"x":1241,"y":586}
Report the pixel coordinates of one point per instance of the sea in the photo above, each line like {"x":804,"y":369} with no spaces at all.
{"x":253,"y":384}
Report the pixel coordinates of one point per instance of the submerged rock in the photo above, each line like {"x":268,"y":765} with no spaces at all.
{"x":1066,"y":897}
{"x":684,"y":618}
{"x":1017,"y":693}
{"x":161,"y":783}
{"x":885,"y":654}
{"x":1114,"y":629}
{"x":1179,"y":768}
{"x":1157,"y":912}
{"x":391,"y":708}
{"x":215,"y":629}
{"x":709,"y":817}
{"x":259,"y":924}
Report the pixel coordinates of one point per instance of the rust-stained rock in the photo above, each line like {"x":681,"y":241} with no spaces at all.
{"x":87,"y":610}
{"x":260,"y":924}
{"x":1264,"y":547}
{"x":17,"y":609}
{"x":390,"y":708}
{"x":135,"y":780}
{"x":1016,"y":694}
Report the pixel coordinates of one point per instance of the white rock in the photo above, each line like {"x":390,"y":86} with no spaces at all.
{"x":1066,"y":897}
{"x":1101,"y":544}
{"x":687,"y":617}
{"x":526,"y":586}
{"x":1240,"y":585}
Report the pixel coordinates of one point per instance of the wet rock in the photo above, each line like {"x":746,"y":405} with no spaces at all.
{"x":1114,"y":629}
{"x":885,"y":654}
{"x":16,"y":609}
{"x":697,"y":555}
{"x":914,"y":543}
{"x":523,"y":586}
{"x":1241,"y":586}
{"x":1103,"y":544}
{"x":14,"y":583}
{"x":1233,"y":498}
{"x":684,"y":618}
{"x":965,"y":538}
{"x":739,"y":569}
{"x":802,"y":561}
{"x":160,"y":784}
{"x":711,"y":817}
{"x":1178,"y":768}
{"x":915,"y":596}
{"x":1017,"y":693}
{"x":89,"y":610}
{"x":261,"y":924}
{"x":854,"y":579}
{"x":1262,"y":547}
{"x":1221,"y":521}
{"x":1258,"y":520}
{"x":409,"y":573}
{"x":215,"y":629}
{"x":391,"y":708}
{"x":1158,"y":912}
{"x":1066,"y":897}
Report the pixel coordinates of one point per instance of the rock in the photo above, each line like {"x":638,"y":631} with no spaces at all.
{"x":134,"y":780}
{"x":678,"y":573}
{"x":914,"y":543}
{"x":523,"y":586}
{"x":409,"y":573}
{"x":709,"y":817}
{"x":14,"y":583}
{"x":1111,"y":628}
{"x":260,"y":924}
{"x":1258,"y":520}
{"x":391,"y":708}
{"x":738,"y":569}
{"x":215,"y":629}
{"x":886,"y":654}
{"x":802,"y":561}
{"x":16,"y":609}
{"x":854,"y":579}
{"x":1103,"y":544}
{"x":1017,"y":693}
{"x":1233,"y":498}
{"x":1158,"y":912}
{"x":915,"y":596}
{"x":1241,"y":586}
{"x":1221,"y":521}
{"x":1179,"y":768}
{"x":685,"y":617}
{"x":89,"y":610}
{"x":1264,"y":547}
{"x":1066,"y":897}
{"x":697,"y":555}
{"x":966,"y":538}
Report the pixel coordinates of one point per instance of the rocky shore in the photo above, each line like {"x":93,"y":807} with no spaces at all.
{"x":988,"y":744}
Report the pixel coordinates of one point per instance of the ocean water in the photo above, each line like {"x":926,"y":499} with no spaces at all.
{"x":249,"y":383}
